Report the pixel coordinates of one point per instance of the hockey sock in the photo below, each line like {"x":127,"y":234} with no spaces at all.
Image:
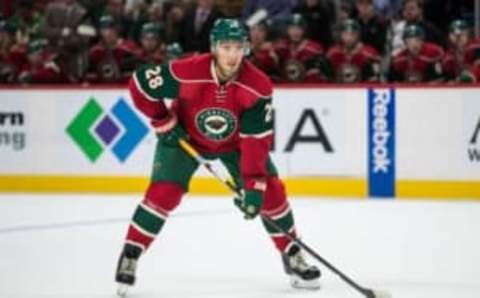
{"x":151,"y":214}
{"x":283,"y":217}
{"x":276,"y":207}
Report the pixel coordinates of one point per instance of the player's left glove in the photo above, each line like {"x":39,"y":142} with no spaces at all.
{"x":169,"y":130}
{"x":251,"y":202}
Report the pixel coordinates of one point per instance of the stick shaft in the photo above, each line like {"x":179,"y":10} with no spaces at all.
{"x":194,"y":153}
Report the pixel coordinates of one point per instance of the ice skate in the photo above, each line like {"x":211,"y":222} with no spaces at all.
{"x":302,"y":275}
{"x":127,"y":265}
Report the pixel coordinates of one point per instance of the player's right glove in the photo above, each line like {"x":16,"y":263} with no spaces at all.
{"x":169,"y":130}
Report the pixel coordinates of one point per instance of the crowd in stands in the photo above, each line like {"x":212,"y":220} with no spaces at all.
{"x":293,"y":41}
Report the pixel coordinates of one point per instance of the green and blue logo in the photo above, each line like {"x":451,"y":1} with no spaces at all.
{"x":94,"y":130}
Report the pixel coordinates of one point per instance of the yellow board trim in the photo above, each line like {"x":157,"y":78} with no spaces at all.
{"x":448,"y":190}
{"x":200,"y":186}
{"x":301,"y":186}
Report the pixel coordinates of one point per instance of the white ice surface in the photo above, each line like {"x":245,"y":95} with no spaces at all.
{"x":67,"y":246}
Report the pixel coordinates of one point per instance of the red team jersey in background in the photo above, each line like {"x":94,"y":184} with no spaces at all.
{"x":454,"y":62}
{"x":218,"y":117}
{"x":358,"y":65}
{"x":424,"y":67}
{"x":300,"y":63}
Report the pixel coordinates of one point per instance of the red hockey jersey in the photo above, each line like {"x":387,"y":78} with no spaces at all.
{"x":112,"y":65}
{"x":425,"y":67}
{"x":455,"y":62}
{"x":218,"y":117}
{"x":361,"y":64}
{"x":300,"y":63}
{"x":265,"y":58}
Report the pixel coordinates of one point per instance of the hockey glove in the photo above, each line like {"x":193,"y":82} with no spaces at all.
{"x":251,"y":202}
{"x":169,"y":130}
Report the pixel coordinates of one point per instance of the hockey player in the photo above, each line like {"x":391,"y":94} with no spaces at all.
{"x":420,"y":61}
{"x":300,"y":59}
{"x":222,"y":104}
{"x":40,"y":66}
{"x":462,"y":59}
{"x":263,"y":53}
{"x":153,"y":50}
{"x":113,"y":59}
{"x":352,"y":60}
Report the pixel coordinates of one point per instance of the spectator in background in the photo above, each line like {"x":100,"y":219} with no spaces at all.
{"x":116,"y":9}
{"x":345,"y":13}
{"x":94,"y":9}
{"x":420,"y":61}
{"x":412,"y":12}
{"x":138,"y":12}
{"x":230,"y":8}
{"x":278,"y":11}
{"x":388,"y":9}
{"x":262,"y":52}
{"x":352,"y":60}
{"x":300,"y":59}
{"x":373,"y":29}
{"x":69,"y":36}
{"x":40,"y":66}
{"x":113,"y":59}
{"x":196,"y":26}
{"x":174,"y":15}
{"x":152,"y":45}
{"x":320,"y":18}
{"x":12,"y":55}
{"x":462,"y":59}
{"x":442,"y":13}
{"x":26,"y":22}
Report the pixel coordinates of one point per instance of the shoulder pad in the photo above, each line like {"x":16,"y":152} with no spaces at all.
{"x":192,"y":69}
{"x":255,"y":81}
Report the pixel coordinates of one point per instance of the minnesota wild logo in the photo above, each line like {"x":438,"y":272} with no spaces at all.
{"x":216,"y":124}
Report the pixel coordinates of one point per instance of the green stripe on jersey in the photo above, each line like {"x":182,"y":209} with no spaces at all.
{"x":147,"y":221}
{"x":286,"y":223}
{"x":258,"y":119}
{"x":156,"y":81}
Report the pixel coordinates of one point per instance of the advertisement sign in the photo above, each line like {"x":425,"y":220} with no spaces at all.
{"x":321,"y":132}
{"x":381,"y":142}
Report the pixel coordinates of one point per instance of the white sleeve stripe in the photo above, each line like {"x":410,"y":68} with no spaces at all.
{"x":139,"y":88}
{"x":257,"y":136}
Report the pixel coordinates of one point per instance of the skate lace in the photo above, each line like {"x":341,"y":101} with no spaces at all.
{"x":128,"y":266}
{"x":298,"y":262}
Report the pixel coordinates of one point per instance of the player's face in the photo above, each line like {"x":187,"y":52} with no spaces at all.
{"x":349,"y":38}
{"x":414,"y":45}
{"x":257,"y":34}
{"x":295,"y":33}
{"x":35,"y":58}
{"x":109,"y":35}
{"x":459,"y":40}
{"x":229,"y":56}
{"x":364,"y":7}
{"x":149,"y":43}
{"x":411,"y":11}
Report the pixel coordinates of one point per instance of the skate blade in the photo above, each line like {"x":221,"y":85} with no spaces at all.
{"x":298,"y":283}
{"x":122,"y":290}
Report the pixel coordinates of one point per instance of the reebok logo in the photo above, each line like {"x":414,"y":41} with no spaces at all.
{"x":381,"y":142}
{"x":381,"y":133}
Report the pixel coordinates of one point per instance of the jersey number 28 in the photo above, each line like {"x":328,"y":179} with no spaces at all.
{"x":154,"y":78}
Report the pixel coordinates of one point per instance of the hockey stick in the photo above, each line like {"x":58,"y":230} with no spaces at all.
{"x":369,"y":293}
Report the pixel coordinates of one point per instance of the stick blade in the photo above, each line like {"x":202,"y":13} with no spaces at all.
{"x":382,"y":294}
